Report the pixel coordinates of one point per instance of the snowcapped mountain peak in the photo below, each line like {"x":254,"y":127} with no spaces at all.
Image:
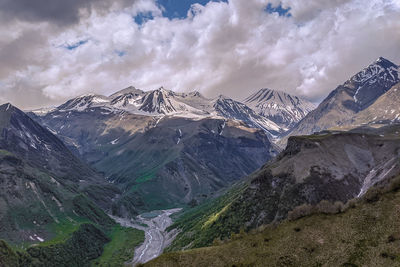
{"x":166,"y":102}
{"x":8,"y":108}
{"x":380,"y":66}
{"x":222,"y":98}
{"x":85,"y":101}
{"x":368,"y":84}
{"x":128,"y":90}
{"x":280,"y":107}
{"x":385,"y":62}
{"x":195,"y":94}
{"x":161,"y":101}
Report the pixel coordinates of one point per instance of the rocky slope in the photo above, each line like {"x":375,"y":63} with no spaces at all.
{"x":332,"y":166}
{"x":385,"y":110}
{"x":350,"y":98}
{"x":284,"y":109}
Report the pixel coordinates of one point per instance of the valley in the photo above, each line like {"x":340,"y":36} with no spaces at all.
{"x":204,"y":133}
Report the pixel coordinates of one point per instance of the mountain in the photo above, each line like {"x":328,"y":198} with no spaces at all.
{"x":284,"y":109}
{"x":42,"y":183}
{"x":52,"y":204}
{"x":159,"y":160}
{"x":162,"y":102}
{"x":231,"y":109}
{"x":330,"y":167}
{"x":350,"y":98}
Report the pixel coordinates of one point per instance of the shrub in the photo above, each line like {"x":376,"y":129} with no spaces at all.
{"x":327,"y":207}
{"x":352,"y":203}
{"x":372,"y":195}
{"x":300,"y":211}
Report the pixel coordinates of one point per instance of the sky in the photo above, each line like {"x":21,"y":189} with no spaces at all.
{"x":54,"y":50}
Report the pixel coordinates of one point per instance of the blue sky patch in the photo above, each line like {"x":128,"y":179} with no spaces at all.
{"x":143,"y":17}
{"x":179,"y":8}
{"x":120,"y":53}
{"x":75,"y":45}
{"x":284,"y":12}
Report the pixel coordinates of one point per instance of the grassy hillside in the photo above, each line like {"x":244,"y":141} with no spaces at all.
{"x":366,"y":233}
{"x":121,"y":248}
{"x":198,"y":221}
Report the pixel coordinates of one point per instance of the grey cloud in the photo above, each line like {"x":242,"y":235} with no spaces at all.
{"x":231,"y":48}
{"x":60,"y":12}
{"x":21,"y":52}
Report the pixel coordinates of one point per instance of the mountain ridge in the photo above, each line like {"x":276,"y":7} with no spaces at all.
{"x":163,"y":102}
{"x":350,"y":98}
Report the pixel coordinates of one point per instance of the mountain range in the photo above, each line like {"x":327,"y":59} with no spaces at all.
{"x":63,"y":169}
{"x":162,"y":148}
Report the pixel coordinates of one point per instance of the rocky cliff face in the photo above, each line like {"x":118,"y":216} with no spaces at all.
{"x":385,"y":110}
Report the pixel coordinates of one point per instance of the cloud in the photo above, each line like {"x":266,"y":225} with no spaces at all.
{"x":231,"y":48}
{"x":61,"y":12}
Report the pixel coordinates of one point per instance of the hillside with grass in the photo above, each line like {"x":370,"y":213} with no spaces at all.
{"x":365,"y":232}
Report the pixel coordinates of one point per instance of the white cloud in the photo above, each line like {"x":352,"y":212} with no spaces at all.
{"x":231,"y":48}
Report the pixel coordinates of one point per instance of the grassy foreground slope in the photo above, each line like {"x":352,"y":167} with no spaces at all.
{"x":365,"y":234}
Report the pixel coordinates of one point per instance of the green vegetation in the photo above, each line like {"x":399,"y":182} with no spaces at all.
{"x":77,"y":240}
{"x":365,"y":233}
{"x":80,"y":245}
{"x":84,"y":207}
{"x":121,"y":248}
{"x":5,"y":153}
{"x":84,"y":245}
{"x":201,"y":221}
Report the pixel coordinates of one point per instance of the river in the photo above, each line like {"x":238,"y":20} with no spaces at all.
{"x":156,"y":238}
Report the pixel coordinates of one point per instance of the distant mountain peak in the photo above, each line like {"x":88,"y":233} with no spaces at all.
{"x":166,"y":102}
{"x":7,"y":107}
{"x":352,"y":97}
{"x":83,"y":102}
{"x":280,"y":107}
{"x":222,"y":97}
{"x":384,"y":61}
{"x":382,"y":72}
{"x":128,"y":90}
{"x":195,"y":93}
